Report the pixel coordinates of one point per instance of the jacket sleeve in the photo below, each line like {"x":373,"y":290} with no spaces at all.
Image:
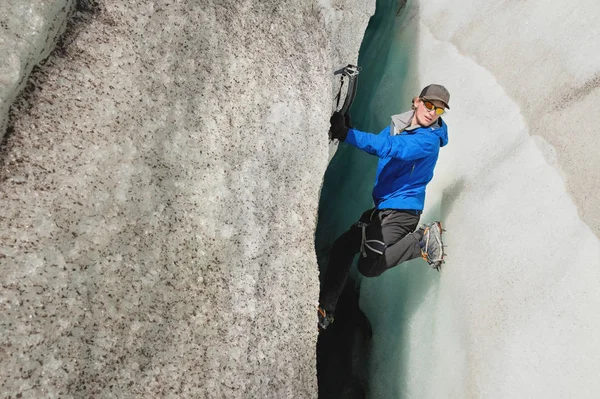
{"x":407,"y":147}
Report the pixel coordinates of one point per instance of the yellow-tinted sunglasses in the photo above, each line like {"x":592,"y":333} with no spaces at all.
{"x":430,"y":106}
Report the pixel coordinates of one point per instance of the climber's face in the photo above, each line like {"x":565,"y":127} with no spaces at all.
{"x":427,"y":111}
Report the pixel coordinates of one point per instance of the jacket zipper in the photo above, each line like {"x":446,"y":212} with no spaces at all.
{"x":412,"y":170}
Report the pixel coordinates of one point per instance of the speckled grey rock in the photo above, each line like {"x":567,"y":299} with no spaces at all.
{"x":159,"y":193}
{"x":28,"y":32}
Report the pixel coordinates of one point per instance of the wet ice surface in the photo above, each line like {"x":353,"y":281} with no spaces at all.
{"x":513,"y":313}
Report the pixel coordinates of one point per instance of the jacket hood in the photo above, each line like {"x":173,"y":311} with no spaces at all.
{"x":400,"y":123}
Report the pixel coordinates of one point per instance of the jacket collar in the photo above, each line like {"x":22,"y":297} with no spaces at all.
{"x":401,"y":122}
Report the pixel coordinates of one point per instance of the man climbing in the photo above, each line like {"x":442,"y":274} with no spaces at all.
{"x":385,"y":235}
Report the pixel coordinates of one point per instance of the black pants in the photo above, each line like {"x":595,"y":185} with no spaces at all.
{"x":393,"y":228}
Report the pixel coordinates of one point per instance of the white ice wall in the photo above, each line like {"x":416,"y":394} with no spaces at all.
{"x":514,"y":313}
{"x":546,"y":57}
{"x":30,"y":29}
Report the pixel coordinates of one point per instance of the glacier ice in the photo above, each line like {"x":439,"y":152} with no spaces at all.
{"x":513,"y":313}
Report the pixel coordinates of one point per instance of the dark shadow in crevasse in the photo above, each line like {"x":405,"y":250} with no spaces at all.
{"x":343,"y":348}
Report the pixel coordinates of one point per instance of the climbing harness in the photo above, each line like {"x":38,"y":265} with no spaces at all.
{"x":376,"y":246}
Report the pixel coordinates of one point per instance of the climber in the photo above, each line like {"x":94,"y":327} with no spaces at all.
{"x":385,"y":235}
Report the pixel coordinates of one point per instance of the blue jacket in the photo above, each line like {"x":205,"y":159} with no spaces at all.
{"x":407,"y":158}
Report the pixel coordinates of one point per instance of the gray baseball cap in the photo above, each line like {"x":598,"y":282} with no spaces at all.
{"x":436,"y":92}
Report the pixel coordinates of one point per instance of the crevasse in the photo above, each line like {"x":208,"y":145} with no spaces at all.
{"x":513,"y":312}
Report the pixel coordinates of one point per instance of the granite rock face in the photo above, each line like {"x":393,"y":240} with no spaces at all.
{"x":159,"y":188}
{"x":29,"y":32}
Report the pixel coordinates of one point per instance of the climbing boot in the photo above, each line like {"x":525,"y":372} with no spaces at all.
{"x":325,"y":319}
{"x":432,"y":247}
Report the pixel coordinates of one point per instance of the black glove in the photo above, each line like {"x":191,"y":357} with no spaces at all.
{"x":338,"y":129}
{"x":348,"y":121}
